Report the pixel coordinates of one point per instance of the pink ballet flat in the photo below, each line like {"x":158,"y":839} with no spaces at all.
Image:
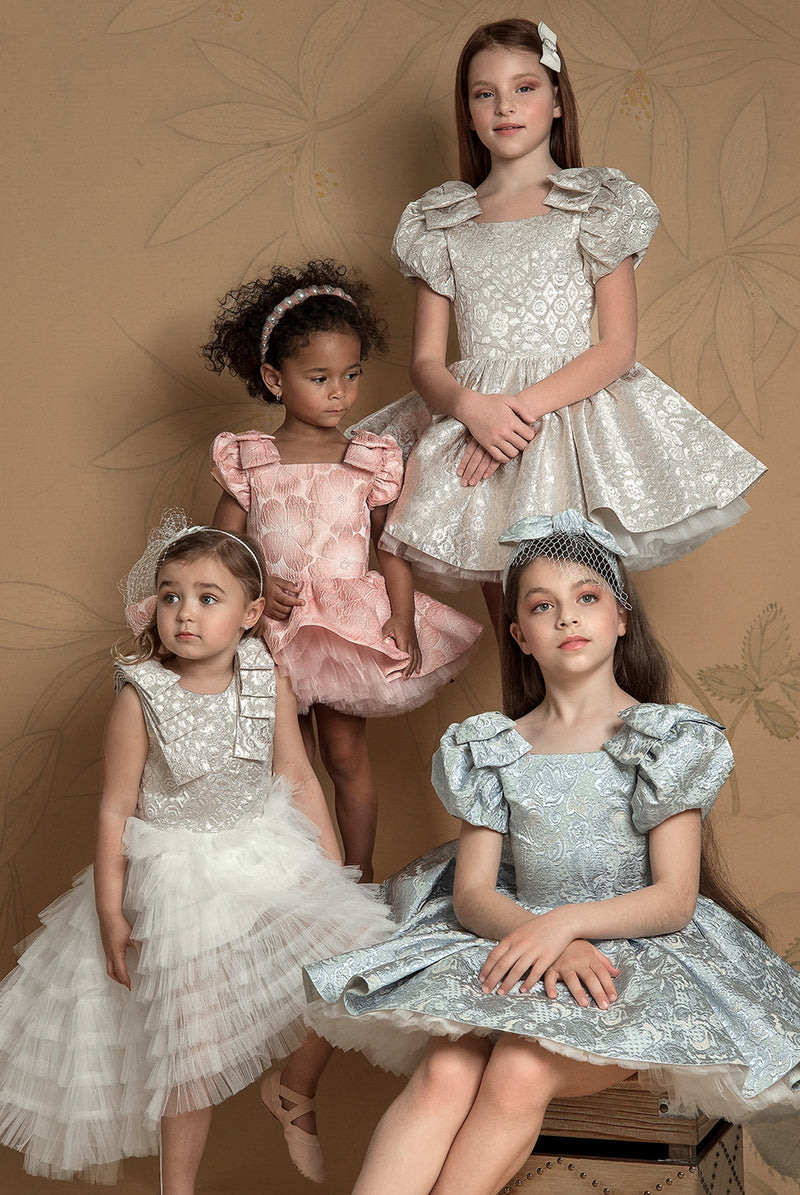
{"x":304,"y":1148}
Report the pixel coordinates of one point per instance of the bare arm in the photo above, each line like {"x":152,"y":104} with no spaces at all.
{"x":229,"y":515}
{"x":125,"y":752}
{"x":613,"y":354}
{"x":399,"y":578}
{"x":289,"y":759}
{"x":490,"y":419}
{"x":531,"y":943}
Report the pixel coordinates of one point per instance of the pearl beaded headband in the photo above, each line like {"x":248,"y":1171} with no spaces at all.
{"x":299,"y":296}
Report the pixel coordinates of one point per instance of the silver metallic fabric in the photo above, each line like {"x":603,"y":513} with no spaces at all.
{"x":635,"y":457}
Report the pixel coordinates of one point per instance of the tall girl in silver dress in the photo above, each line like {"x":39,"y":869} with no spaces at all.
{"x":169,"y":977}
{"x":598,"y":783}
{"x":525,"y":247}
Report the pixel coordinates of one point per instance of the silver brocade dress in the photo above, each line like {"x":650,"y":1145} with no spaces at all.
{"x":710,"y":1014}
{"x":635,"y":457}
{"x":228,"y":893}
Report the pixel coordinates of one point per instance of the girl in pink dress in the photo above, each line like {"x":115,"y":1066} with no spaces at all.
{"x":354,"y":642}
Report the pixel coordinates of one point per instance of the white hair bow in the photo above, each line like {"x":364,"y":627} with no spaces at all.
{"x":549,"y":55}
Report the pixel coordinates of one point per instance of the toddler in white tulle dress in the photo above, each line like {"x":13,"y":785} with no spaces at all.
{"x":170,"y":976}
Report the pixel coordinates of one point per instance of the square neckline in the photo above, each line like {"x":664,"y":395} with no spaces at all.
{"x":521,"y":219}
{"x":310,"y":464}
{"x":572,"y":754}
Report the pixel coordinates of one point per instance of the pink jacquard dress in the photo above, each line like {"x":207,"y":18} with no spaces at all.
{"x":313,"y":523}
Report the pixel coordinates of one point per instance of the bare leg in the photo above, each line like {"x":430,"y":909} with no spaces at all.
{"x":411,"y":1142}
{"x":493,"y":596}
{"x":343,"y":748}
{"x":301,"y":1072}
{"x":306,"y":723}
{"x":183,"y":1139}
{"x":519,"y":1081}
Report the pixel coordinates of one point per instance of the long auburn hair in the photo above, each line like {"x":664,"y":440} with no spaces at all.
{"x":641,"y":668}
{"x":516,"y":33}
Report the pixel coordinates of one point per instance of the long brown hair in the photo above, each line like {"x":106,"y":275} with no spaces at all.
{"x":202,"y":544}
{"x":642,"y":669}
{"x":641,"y":666}
{"x":516,"y":33}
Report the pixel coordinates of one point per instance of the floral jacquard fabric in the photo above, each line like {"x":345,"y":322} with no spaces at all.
{"x":709,"y":1014}
{"x":313,"y":523}
{"x":635,"y":457}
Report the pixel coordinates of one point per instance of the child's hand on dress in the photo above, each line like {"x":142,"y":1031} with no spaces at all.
{"x":584,"y":969}
{"x":405,"y":636}
{"x":527,"y":951}
{"x":281,"y":597}
{"x":115,"y":934}
{"x":498,"y":422}
{"x":476,"y":464}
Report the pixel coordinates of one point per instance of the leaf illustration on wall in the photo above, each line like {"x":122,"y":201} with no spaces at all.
{"x":719,"y":301}
{"x":767,"y":671}
{"x":27,"y":766}
{"x":775,"y":40}
{"x":151,"y":14}
{"x":286,"y":124}
{"x":180,"y":441}
{"x":615,"y":78}
{"x":33,"y":617}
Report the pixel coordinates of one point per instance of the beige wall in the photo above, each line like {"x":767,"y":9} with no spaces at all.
{"x":159,"y":151}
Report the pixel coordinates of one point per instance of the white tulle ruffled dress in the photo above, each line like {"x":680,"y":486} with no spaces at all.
{"x":636,"y":457}
{"x":228,"y":893}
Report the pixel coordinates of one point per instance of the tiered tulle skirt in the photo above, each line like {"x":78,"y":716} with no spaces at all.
{"x":224,"y":922}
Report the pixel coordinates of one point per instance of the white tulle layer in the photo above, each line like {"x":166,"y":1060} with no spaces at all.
{"x":645,"y":550}
{"x":396,"y":1040}
{"x":224,"y":924}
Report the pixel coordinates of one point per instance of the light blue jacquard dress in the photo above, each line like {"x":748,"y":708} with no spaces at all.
{"x":710,"y":1014}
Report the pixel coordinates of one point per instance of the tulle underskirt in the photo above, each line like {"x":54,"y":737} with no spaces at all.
{"x":224,"y":922}
{"x":335,"y":653}
{"x":396,"y":1041}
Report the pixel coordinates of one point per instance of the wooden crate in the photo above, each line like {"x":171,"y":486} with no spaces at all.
{"x":717,"y":1170}
{"x":628,"y":1113}
{"x":627,"y":1141}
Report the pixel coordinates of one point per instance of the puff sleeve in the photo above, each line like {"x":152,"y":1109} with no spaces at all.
{"x":388,"y":480}
{"x":617,"y":217}
{"x":226,"y":459}
{"x":380,"y":461}
{"x":420,"y":242}
{"x":681,"y":758}
{"x":466,"y":770}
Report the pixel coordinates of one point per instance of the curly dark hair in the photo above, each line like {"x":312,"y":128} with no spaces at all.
{"x":236,"y":332}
